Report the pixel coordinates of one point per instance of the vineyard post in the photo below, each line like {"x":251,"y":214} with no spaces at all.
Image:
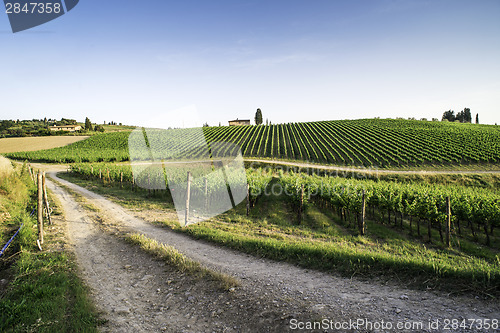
{"x":31,"y":173}
{"x":206,"y":194}
{"x":149,"y":185}
{"x":429,"y":233}
{"x":448,"y":220}
{"x":188,"y":197}
{"x":248,"y":199}
{"x":92,"y":170}
{"x":40,"y":208}
{"x":362,"y":225}
{"x":121,"y":179}
{"x":46,"y":199}
{"x":109,"y":179}
{"x":301,"y":202}
{"x":100,"y":174}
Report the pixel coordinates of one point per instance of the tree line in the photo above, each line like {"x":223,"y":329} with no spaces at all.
{"x":464,"y":116}
{"x":40,"y":127}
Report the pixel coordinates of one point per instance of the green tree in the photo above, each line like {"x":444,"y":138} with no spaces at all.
{"x":88,"y":124}
{"x":464,"y":116}
{"x":477,"y":118}
{"x":99,"y":128}
{"x":467,"y":116}
{"x":449,"y":115}
{"x":258,"y":117}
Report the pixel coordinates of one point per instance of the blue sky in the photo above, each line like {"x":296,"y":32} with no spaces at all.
{"x":147,"y":62}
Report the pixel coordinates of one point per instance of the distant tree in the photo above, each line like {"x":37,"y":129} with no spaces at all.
{"x":219,"y":124}
{"x":464,"y":116}
{"x":258,"y":117}
{"x":267,"y":122}
{"x":88,"y":124}
{"x":449,"y":115}
{"x":205,"y":125}
{"x":477,"y":118}
{"x":467,"y":116}
{"x":98,"y":128}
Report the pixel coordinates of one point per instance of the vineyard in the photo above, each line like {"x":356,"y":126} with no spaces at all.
{"x":381,"y":143}
{"x":416,"y":207}
{"x":405,"y":222}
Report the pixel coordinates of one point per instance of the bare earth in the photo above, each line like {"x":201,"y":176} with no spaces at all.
{"x":337,"y":170}
{"x":12,"y":145}
{"x":138,"y":294}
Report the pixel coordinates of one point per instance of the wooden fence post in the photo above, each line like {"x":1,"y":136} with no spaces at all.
{"x":362,"y":224}
{"x":301,"y":202}
{"x":206,"y":194}
{"x":248,"y":199}
{"x":188,"y":197}
{"x":448,"y":220}
{"x":121,"y":179}
{"x":31,"y":173}
{"x":46,"y":199}
{"x":100,"y":174}
{"x":149,"y":185}
{"x":40,"y":208}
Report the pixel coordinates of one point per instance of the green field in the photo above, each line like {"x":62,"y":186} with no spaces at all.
{"x":384,"y":143}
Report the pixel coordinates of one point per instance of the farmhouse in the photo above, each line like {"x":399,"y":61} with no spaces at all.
{"x":69,"y":128}
{"x":239,"y":122}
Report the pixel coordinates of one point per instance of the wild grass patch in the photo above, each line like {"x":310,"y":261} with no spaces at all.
{"x":44,"y":293}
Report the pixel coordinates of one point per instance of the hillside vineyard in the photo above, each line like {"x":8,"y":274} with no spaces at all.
{"x":381,"y":143}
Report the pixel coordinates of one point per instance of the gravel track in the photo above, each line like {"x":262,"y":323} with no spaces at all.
{"x":271,"y":294}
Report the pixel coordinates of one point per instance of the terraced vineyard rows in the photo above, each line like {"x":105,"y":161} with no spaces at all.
{"x":367,"y":142}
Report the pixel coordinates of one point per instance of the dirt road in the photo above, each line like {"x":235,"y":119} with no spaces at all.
{"x":139,"y":294}
{"x":375,"y":171}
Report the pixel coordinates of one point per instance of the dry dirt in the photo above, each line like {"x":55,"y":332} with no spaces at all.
{"x":12,"y":145}
{"x":369,"y":171}
{"x":139,"y":294}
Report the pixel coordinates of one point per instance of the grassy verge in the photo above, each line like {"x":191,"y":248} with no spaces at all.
{"x":322,"y":242}
{"x":176,"y":259}
{"x":44,"y":293}
{"x":164,"y":252}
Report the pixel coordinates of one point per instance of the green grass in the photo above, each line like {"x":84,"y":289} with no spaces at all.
{"x":45,"y":293}
{"x":176,"y":259}
{"x":372,"y":143}
{"x":321,"y":241}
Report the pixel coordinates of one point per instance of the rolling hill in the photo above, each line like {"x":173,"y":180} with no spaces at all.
{"x":366,"y":142}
